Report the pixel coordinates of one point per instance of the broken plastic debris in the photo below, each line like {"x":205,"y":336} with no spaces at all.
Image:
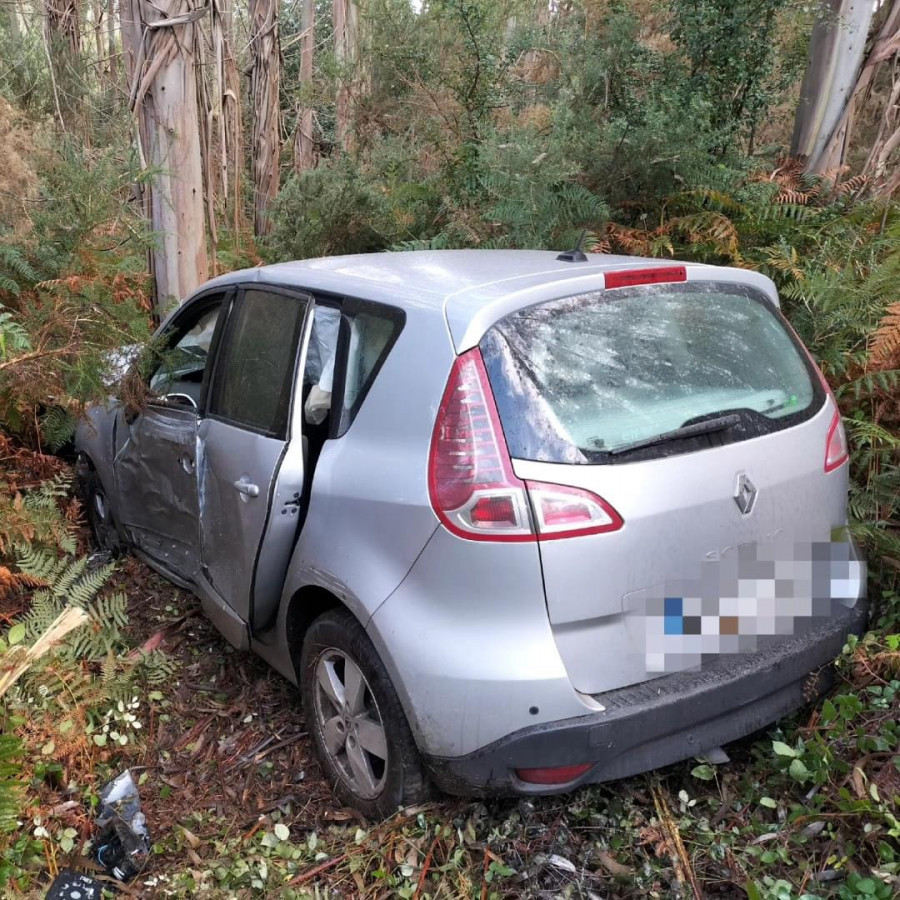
{"x":124,"y":842}
{"x":69,"y":885}
{"x":561,"y":863}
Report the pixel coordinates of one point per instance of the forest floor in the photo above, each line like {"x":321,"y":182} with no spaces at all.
{"x":237,"y":806}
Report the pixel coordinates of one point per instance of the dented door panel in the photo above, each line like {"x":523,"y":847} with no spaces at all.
{"x":157,"y":489}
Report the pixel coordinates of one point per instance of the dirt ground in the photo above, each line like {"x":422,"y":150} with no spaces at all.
{"x":234,"y":740}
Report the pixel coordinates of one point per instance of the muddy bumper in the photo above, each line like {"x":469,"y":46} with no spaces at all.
{"x":661,"y":721}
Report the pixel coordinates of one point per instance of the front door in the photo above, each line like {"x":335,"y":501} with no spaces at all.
{"x":250,"y":474}
{"x":156,"y":459}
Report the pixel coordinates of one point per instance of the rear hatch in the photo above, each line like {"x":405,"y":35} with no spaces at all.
{"x":694,"y":418}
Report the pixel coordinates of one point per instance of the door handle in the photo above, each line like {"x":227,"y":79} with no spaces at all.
{"x":243,"y":486}
{"x":187,"y":464}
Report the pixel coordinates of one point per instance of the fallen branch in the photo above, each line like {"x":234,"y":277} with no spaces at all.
{"x":68,"y":620}
{"x":680,"y":859}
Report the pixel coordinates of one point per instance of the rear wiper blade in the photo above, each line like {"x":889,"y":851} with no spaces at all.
{"x":709,"y":426}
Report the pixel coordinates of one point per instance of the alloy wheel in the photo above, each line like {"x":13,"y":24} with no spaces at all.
{"x":350,"y":723}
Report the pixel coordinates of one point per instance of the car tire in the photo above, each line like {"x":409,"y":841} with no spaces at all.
{"x":104,"y":527}
{"x":358,"y":726}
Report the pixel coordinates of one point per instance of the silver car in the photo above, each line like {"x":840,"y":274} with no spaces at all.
{"x":514,"y":522}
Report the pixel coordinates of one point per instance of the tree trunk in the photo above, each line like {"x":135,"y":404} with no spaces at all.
{"x":304,"y":141}
{"x":233,"y":119}
{"x":97,"y":16}
{"x":63,"y":44}
{"x":836,"y":50}
{"x":15,"y":28}
{"x":885,"y":47}
{"x":346,"y":49}
{"x":159,"y":37}
{"x":265,"y":79}
{"x":111,"y":48}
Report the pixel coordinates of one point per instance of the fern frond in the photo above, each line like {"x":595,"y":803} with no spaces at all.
{"x":886,"y":340}
{"x":11,"y":789}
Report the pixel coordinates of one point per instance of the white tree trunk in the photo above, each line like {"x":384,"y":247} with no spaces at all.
{"x":160,"y":42}
{"x":836,"y":50}
{"x":265,"y":80}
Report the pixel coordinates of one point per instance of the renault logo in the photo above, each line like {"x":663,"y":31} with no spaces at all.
{"x":744,"y":494}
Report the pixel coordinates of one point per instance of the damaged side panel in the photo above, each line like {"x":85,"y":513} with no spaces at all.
{"x":156,"y":487}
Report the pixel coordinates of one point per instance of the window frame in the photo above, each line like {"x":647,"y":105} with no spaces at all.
{"x":174,"y":329}
{"x":348,"y":306}
{"x":292,"y":293}
{"x":351,"y":307}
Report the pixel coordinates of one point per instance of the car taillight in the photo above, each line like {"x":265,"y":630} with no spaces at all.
{"x":471,"y":482}
{"x":568,"y":512}
{"x":836,"y":450}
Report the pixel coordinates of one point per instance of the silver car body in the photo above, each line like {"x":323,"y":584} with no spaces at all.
{"x":504,"y":655}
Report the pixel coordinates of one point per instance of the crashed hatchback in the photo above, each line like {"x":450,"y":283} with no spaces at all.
{"x":514,"y":522}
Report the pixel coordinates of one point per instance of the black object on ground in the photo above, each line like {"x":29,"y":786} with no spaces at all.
{"x":123,"y":843}
{"x":69,"y":885}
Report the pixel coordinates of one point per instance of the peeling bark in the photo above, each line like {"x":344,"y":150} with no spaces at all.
{"x":265,"y":80}
{"x":304,"y":139}
{"x":232,"y":119}
{"x":346,"y":51}
{"x":824,"y":113}
{"x":160,"y":49}
{"x":63,"y":45}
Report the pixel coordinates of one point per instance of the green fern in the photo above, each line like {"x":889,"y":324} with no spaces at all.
{"x":15,"y":270}
{"x":57,"y":428}
{"x":13,"y":336}
{"x":11,"y":788}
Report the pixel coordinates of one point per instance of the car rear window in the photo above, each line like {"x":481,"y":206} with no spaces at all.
{"x":584,"y":378}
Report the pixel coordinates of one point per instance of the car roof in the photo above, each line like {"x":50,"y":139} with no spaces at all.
{"x":472,"y":288}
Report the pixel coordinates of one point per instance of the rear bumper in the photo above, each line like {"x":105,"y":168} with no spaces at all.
{"x":662,"y":721}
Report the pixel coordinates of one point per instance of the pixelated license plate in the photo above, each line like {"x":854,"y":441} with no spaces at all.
{"x":755,"y":592}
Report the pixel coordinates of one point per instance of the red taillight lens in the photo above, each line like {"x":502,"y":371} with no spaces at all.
{"x":473,"y":488}
{"x":568,"y":512}
{"x":836,"y":450}
{"x":556,"y":775}
{"x":470,"y":478}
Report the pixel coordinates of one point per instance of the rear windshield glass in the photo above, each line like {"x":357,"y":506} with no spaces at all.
{"x":586,"y":378}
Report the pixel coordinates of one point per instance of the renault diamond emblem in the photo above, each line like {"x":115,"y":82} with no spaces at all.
{"x":744,"y":494}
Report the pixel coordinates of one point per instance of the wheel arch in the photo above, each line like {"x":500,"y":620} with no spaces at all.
{"x":306,"y":604}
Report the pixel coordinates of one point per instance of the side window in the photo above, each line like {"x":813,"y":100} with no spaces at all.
{"x":182,"y":360}
{"x":372,"y":331}
{"x":256,"y":374}
{"x":318,"y":378}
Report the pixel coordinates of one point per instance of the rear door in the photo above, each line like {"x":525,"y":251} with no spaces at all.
{"x":251,"y":463}
{"x":712,"y":520}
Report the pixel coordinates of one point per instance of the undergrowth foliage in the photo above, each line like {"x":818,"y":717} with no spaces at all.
{"x":70,"y":697}
{"x":73,"y":288}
